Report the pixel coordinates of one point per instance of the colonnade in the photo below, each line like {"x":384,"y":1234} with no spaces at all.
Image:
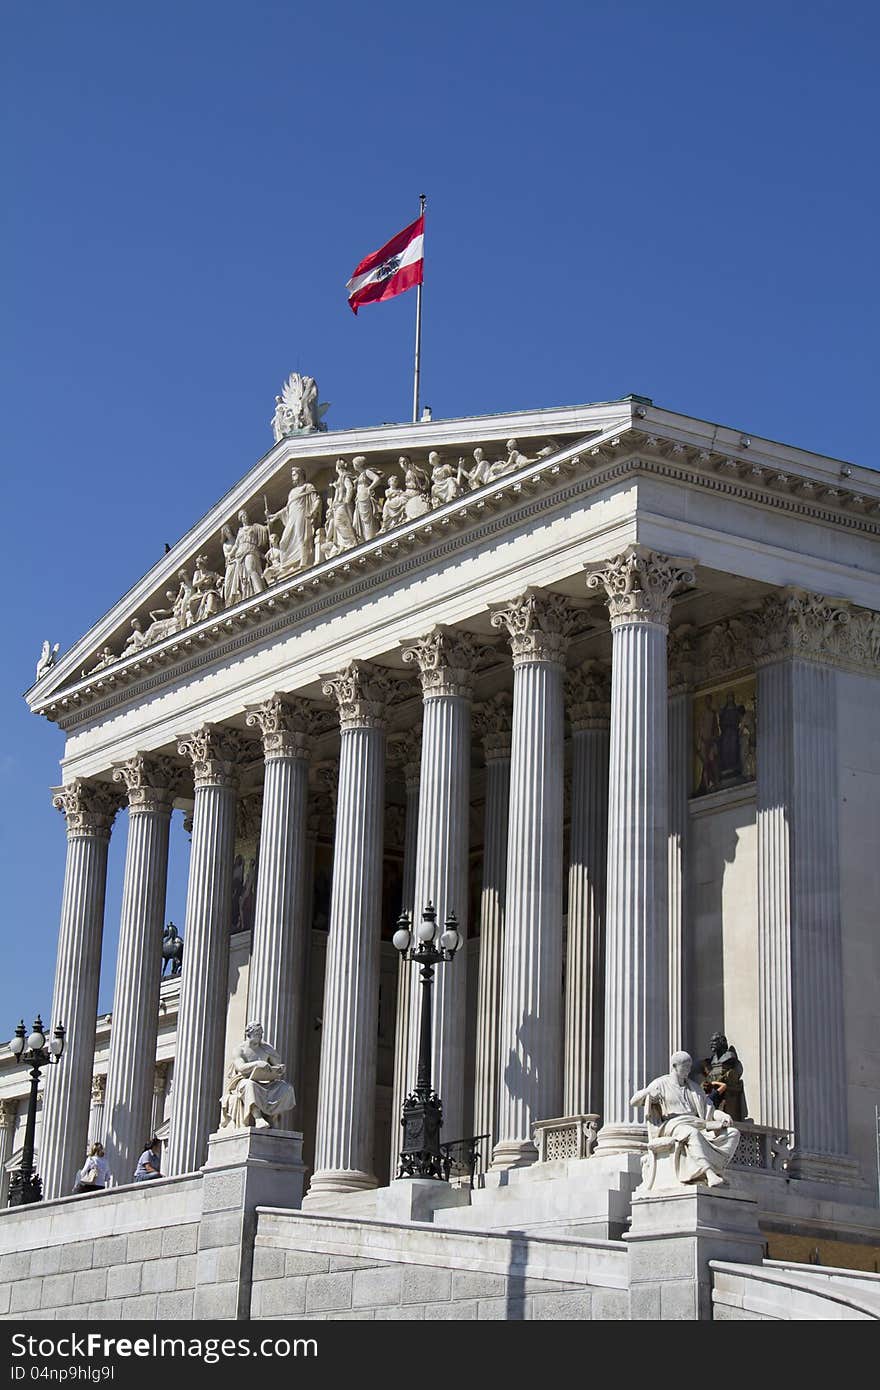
{"x":539,"y":1052}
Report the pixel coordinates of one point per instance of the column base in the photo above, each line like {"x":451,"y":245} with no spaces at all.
{"x":621,"y":1139}
{"x":336,"y":1182}
{"x":513,"y":1153}
{"x":824,"y":1167}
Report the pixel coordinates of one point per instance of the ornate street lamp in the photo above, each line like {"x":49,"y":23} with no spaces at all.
{"x":422,"y":1117}
{"x":36,"y":1051}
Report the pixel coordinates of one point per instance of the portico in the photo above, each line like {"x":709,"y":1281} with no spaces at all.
{"x":504,"y":638}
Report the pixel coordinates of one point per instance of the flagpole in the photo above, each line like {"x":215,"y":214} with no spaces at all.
{"x":418,"y":363}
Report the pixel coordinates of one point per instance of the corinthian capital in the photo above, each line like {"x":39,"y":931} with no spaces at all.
{"x":538,"y":624}
{"x":640,"y":584}
{"x":284,"y":722}
{"x":88,"y":807}
{"x":493,"y":723}
{"x":150,"y":782}
{"x":588,"y":696}
{"x":216,"y":755}
{"x":8,"y":1113}
{"x":362,"y":693}
{"x":446,"y":659}
{"x":797,"y":623}
{"x":99,"y":1088}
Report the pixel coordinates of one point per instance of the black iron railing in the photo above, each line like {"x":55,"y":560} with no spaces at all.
{"x":464,"y":1158}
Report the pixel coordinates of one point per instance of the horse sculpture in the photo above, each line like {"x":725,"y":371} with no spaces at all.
{"x":172,"y":951}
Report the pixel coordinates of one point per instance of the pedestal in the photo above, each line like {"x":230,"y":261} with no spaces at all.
{"x":246,"y":1169}
{"x":673,"y":1235}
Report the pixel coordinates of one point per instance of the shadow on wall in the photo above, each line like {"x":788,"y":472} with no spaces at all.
{"x":516,"y":1280}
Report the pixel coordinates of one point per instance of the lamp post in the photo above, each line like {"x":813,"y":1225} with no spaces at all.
{"x":422,"y":1117}
{"x":37,"y":1052}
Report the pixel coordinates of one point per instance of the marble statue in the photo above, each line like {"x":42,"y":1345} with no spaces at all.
{"x":186,"y":601}
{"x":339,"y":530}
{"x":137,"y":639}
{"x":417,"y":488}
{"x":231,"y":580}
{"x":367,"y":507}
{"x":696,"y":1141}
{"x":257,"y":1091}
{"x":445,"y":484}
{"x":722,"y":1078}
{"x":250,"y":541}
{"x":208,"y":586}
{"x":273,"y":559}
{"x":513,"y":461}
{"x":300,"y":517}
{"x":297,"y":410}
{"x":105,"y":657}
{"x":394,"y":506}
{"x":481,"y":473}
{"x":48,"y":657}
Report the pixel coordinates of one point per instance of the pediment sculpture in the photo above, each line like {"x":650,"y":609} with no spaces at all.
{"x":297,"y":410}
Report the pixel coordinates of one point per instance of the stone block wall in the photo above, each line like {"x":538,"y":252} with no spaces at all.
{"x":333,"y":1268}
{"x":128,"y":1253}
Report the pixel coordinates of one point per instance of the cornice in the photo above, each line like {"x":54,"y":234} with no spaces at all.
{"x":573,"y":472}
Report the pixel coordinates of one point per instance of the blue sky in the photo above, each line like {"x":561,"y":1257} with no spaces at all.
{"x":674,"y":199}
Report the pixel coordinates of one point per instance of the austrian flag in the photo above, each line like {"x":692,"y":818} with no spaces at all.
{"x":395,"y":267}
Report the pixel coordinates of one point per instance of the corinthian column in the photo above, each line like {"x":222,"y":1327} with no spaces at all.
{"x":588,"y":692}
{"x":493,"y":722}
{"x":803,"y":1075}
{"x":276,"y":974}
{"x":538,"y":625}
{"x":681,"y":663}
{"x":8,"y":1117}
{"x":96,"y":1109}
{"x":89,"y":809}
{"x":445,"y":659}
{"x":215,"y":755}
{"x":639,"y":585}
{"x":410,"y":747}
{"x":347,"y":1084}
{"x":149,"y":785}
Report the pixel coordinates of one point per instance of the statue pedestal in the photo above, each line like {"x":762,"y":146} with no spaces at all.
{"x":246,"y":1169}
{"x":673,"y":1235}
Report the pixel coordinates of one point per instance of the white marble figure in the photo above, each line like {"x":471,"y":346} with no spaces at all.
{"x":105,"y":657}
{"x":250,"y":541}
{"x":445,"y":484}
{"x":684,"y":1129}
{"x":339,"y":531}
{"x":273,"y":559}
{"x":367,"y":507}
{"x":186,"y":602}
{"x":231,"y":567}
{"x":417,"y":488}
{"x":394,"y":506}
{"x":137,"y":639}
{"x":480,"y":474}
{"x":257,"y":1090}
{"x":513,"y":461}
{"x":48,"y":657}
{"x":300,"y":516}
{"x":208,"y":587}
{"x":297,"y":410}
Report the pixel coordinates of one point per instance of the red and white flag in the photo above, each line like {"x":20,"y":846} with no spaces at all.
{"x":395,"y":267}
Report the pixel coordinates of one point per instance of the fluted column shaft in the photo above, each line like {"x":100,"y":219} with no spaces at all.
{"x":96,"y":1109}
{"x":275,"y":987}
{"x":201,"y":1025}
{"x":65,"y":1124}
{"x":445,"y":658}
{"x":403,"y":1079}
{"x":530,"y":1058}
{"x":589,"y":709}
{"x":800,"y":985}
{"x":347,"y":1083}
{"x":160,"y":1088}
{"x":680,"y":756}
{"x":128,"y":1101}
{"x":639,"y":585}
{"x":492,"y":900}
{"x":8,"y":1116}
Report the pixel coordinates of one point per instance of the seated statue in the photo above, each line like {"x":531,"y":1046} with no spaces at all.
{"x":700,"y":1140}
{"x":256,"y":1089}
{"x":722,"y":1078}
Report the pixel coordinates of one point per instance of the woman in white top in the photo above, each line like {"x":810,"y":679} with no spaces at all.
{"x":95,"y":1172}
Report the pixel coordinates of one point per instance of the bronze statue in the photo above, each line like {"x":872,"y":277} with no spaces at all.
{"x":172,"y":951}
{"x":722,"y":1078}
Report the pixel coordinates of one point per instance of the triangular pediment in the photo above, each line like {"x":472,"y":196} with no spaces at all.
{"x":224,"y":562}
